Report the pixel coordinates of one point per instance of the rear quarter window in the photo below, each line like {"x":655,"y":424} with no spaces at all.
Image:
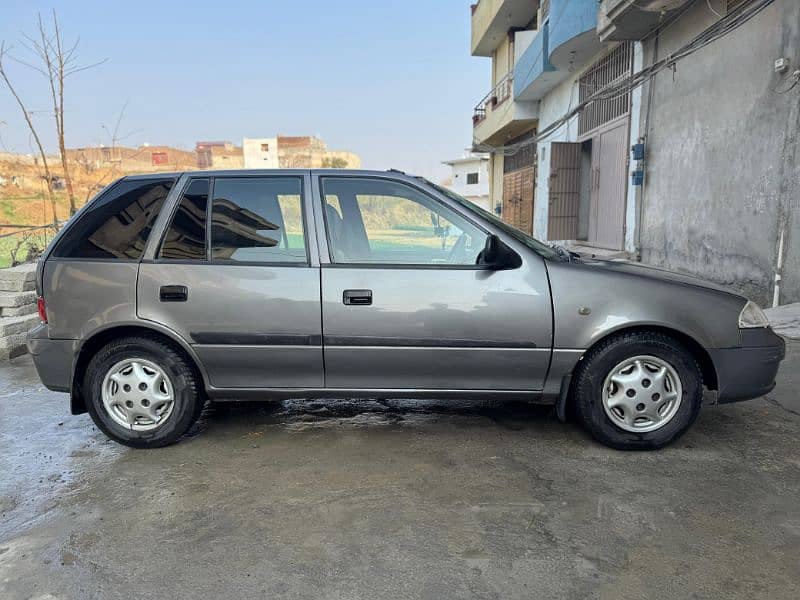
{"x":116,"y":225}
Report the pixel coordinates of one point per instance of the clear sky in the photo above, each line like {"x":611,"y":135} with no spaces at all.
{"x":392,"y":81}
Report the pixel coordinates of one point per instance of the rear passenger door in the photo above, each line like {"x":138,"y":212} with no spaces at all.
{"x":236,"y":274}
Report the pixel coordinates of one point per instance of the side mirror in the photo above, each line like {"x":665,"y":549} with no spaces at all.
{"x":497,"y":256}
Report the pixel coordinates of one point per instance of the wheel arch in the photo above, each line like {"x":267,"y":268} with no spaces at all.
{"x":701,"y":355}
{"x":101,"y":337}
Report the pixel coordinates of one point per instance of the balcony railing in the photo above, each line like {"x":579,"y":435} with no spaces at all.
{"x":499,"y":94}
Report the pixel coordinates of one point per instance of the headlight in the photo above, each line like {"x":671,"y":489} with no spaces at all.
{"x":752,"y":316}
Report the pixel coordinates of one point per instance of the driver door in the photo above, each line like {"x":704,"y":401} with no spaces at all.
{"x":404,"y":305}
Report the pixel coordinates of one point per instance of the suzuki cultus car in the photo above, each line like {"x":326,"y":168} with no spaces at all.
{"x":169,"y":290}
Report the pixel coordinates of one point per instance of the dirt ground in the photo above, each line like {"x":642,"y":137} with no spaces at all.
{"x":397,"y":500}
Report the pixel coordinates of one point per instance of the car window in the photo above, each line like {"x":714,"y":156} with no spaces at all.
{"x":531,"y":242}
{"x":388,"y":222}
{"x":186,"y":236}
{"x":258,"y":219}
{"x":117,"y":224}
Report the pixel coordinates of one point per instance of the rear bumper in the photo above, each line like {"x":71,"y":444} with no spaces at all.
{"x":749,"y":371}
{"x":52,"y":358}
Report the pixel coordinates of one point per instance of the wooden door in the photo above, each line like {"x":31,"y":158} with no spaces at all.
{"x":518,"y":198}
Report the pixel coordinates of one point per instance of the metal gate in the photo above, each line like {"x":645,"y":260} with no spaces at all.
{"x":564,"y":185}
{"x":606,"y":123}
{"x":609,"y":187}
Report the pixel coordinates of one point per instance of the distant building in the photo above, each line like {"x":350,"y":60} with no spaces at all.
{"x":470,"y":178}
{"x":260,"y":153}
{"x":219,"y":155}
{"x":309,"y":152}
{"x":145,"y":158}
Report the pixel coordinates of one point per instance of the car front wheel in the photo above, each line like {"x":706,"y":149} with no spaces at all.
{"x":141,"y":392}
{"x":638,"y":390}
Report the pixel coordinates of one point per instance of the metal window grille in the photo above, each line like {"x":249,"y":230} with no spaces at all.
{"x":472,"y":178}
{"x":523,"y":158}
{"x":605,"y":72}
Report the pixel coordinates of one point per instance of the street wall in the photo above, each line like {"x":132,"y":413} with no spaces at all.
{"x":722,"y":171}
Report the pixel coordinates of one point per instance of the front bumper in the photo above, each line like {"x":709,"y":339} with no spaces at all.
{"x":748,"y":371}
{"x":52,"y":358}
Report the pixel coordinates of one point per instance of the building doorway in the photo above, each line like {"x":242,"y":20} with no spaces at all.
{"x":519,"y":185}
{"x":605,"y":124}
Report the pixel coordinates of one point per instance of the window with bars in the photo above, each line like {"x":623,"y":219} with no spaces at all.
{"x":607,"y":71}
{"x":524,"y":157}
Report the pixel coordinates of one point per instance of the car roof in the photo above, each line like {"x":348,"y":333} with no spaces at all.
{"x":251,"y":172}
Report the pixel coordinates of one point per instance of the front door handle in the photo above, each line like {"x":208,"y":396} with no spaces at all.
{"x":357,"y":297}
{"x":173,"y":293}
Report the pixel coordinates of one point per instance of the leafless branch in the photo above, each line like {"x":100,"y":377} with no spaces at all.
{"x":56,"y":62}
{"x":34,"y":134}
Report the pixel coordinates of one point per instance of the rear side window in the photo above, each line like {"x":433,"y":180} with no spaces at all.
{"x":258,"y":219}
{"x":186,"y":237}
{"x":118,"y":223}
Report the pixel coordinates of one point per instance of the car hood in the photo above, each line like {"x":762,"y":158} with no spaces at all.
{"x":650,"y":272}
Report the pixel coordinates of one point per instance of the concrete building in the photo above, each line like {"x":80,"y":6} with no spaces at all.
{"x":219,"y":155}
{"x":309,"y":152}
{"x":260,"y":153}
{"x":143,"y":159}
{"x":570,"y":184}
{"x":721,"y":170}
{"x":697,"y":172}
{"x":282,"y":151}
{"x":503,"y":30}
{"x":469,"y":177}
{"x":295,"y":152}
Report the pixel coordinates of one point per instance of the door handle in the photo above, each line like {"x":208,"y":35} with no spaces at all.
{"x":357,"y":297}
{"x":173,"y":293}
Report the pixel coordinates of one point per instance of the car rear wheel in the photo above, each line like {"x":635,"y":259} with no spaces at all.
{"x":638,"y":391}
{"x":142,"y":393}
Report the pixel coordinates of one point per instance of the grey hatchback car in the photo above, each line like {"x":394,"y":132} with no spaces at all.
{"x":169,"y":290}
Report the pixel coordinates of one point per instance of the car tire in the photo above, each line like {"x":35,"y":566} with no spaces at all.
{"x":596,"y":388}
{"x":157,"y":361}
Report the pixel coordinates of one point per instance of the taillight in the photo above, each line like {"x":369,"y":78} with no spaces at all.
{"x":42,"y":309}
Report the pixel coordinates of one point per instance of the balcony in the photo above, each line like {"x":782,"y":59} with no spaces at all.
{"x":492,"y":19}
{"x":534,"y":76}
{"x":498,"y":117}
{"x":566,"y":41}
{"x":628,"y":20}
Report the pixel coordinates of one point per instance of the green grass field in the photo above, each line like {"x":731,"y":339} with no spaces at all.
{"x":26,"y":210}
{"x":20,"y":244}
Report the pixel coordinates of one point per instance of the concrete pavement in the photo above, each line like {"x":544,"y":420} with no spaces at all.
{"x":786,"y":320}
{"x":397,"y":500}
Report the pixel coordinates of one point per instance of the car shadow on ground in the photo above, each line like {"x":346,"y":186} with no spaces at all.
{"x":299,"y":415}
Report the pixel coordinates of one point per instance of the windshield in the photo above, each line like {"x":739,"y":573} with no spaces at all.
{"x":540,"y":248}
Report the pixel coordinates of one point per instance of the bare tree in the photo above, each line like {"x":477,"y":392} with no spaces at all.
{"x":27,"y":115}
{"x":57,"y":62}
{"x":115,"y":137}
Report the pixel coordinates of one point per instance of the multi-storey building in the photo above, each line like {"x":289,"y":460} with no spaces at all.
{"x":502,"y":30}
{"x":666,"y":129}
